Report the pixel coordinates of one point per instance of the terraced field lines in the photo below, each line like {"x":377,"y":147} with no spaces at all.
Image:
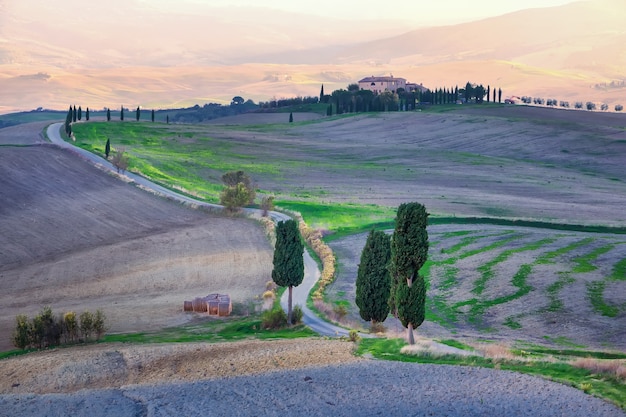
{"x":584,"y":262}
{"x":595,"y":291}
{"x":487,"y":268}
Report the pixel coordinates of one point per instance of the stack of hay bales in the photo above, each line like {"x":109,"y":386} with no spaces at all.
{"x":214,"y":304}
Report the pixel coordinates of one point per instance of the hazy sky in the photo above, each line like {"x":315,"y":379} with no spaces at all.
{"x":422,"y":12}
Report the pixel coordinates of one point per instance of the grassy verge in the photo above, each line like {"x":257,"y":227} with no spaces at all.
{"x":603,"y":386}
{"x":211,"y":330}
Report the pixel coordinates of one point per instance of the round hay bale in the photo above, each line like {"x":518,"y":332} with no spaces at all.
{"x":187,"y":306}
{"x":199,"y":305}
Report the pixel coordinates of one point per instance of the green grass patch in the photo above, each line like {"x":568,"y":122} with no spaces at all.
{"x":456,"y":344}
{"x":556,"y":304}
{"x":342,"y":219}
{"x":213,"y":330}
{"x":595,"y":293}
{"x":583,"y":263}
{"x":547,"y":257}
{"x":563,"y":341}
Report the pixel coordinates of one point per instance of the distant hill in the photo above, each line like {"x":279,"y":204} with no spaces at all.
{"x":573,"y":52}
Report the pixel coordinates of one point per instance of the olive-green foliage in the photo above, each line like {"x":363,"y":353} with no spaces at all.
{"x":274,"y":319}
{"x":296,"y":315}
{"x":86,"y":324}
{"x":235,"y":197}
{"x":70,"y":327}
{"x":98,"y":325}
{"x":373,"y":282}
{"x":21,"y":336}
{"x":409,"y":252}
{"x":234,"y":178}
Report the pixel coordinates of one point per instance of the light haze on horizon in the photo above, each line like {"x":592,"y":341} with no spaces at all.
{"x":424,"y":12}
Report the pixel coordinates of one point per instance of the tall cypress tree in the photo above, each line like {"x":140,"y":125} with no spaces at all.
{"x":152,"y":116}
{"x":107,"y":148}
{"x":499,"y":95}
{"x":322,"y":94}
{"x":87,"y":114}
{"x":288,"y":261}
{"x":488,"y":93}
{"x":138,"y":113}
{"x":108,"y":115}
{"x":373,"y":282}
{"x":409,"y":252}
{"x":74,"y":115}
{"x":290,"y":117}
{"x":122,"y":113}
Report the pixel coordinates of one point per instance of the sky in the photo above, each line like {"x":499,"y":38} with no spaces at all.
{"x":421,"y":12}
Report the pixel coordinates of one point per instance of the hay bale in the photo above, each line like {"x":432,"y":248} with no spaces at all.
{"x":187,"y":306}
{"x":199,"y":305}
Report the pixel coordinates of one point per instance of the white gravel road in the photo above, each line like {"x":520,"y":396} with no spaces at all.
{"x":360,"y":389}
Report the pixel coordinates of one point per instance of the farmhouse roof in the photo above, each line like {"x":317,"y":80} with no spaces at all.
{"x":373,"y":79}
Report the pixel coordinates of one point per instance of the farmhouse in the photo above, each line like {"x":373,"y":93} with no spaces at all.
{"x":380,"y":84}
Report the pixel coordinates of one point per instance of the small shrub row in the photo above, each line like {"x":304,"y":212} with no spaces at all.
{"x":46,"y":329}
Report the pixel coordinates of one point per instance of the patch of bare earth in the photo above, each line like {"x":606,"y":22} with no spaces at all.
{"x":116,"y":365}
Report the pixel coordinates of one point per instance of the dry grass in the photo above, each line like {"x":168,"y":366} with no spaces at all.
{"x":614,"y":368}
{"x":423,"y":347}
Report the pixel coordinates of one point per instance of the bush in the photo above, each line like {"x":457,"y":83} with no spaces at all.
{"x":46,"y":330}
{"x":86,"y":325}
{"x":296,"y":315}
{"x":70,"y":327}
{"x":98,"y":325}
{"x":354,"y":336}
{"x":340,"y":311}
{"x":274,"y":319}
{"x":21,"y":336}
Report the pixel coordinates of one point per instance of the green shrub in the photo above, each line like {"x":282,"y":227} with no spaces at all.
{"x":274,"y":319}
{"x":21,"y":336}
{"x":70,"y":327}
{"x":354,"y":336}
{"x":99,"y":326}
{"x":340,"y":311}
{"x":86,"y":325}
{"x":296,"y":315}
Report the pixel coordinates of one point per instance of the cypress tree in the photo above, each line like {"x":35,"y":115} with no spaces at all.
{"x":499,"y":95}
{"x":122,"y":113}
{"x":108,"y":115}
{"x":152,"y":116}
{"x":107,"y":148}
{"x":87,"y":114}
{"x":290,"y":117}
{"x":138,"y":113}
{"x":409,"y":252}
{"x":288,"y":261}
{"x":74,"y":115}
{"x":373,"y":282}
{"x":322,"y":94}
{"x":488,"y":93}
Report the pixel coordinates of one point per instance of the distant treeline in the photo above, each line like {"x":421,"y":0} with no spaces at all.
{"x":211,"y":111}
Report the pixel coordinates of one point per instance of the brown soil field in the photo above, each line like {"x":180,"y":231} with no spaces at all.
{"x":75,"y":238}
